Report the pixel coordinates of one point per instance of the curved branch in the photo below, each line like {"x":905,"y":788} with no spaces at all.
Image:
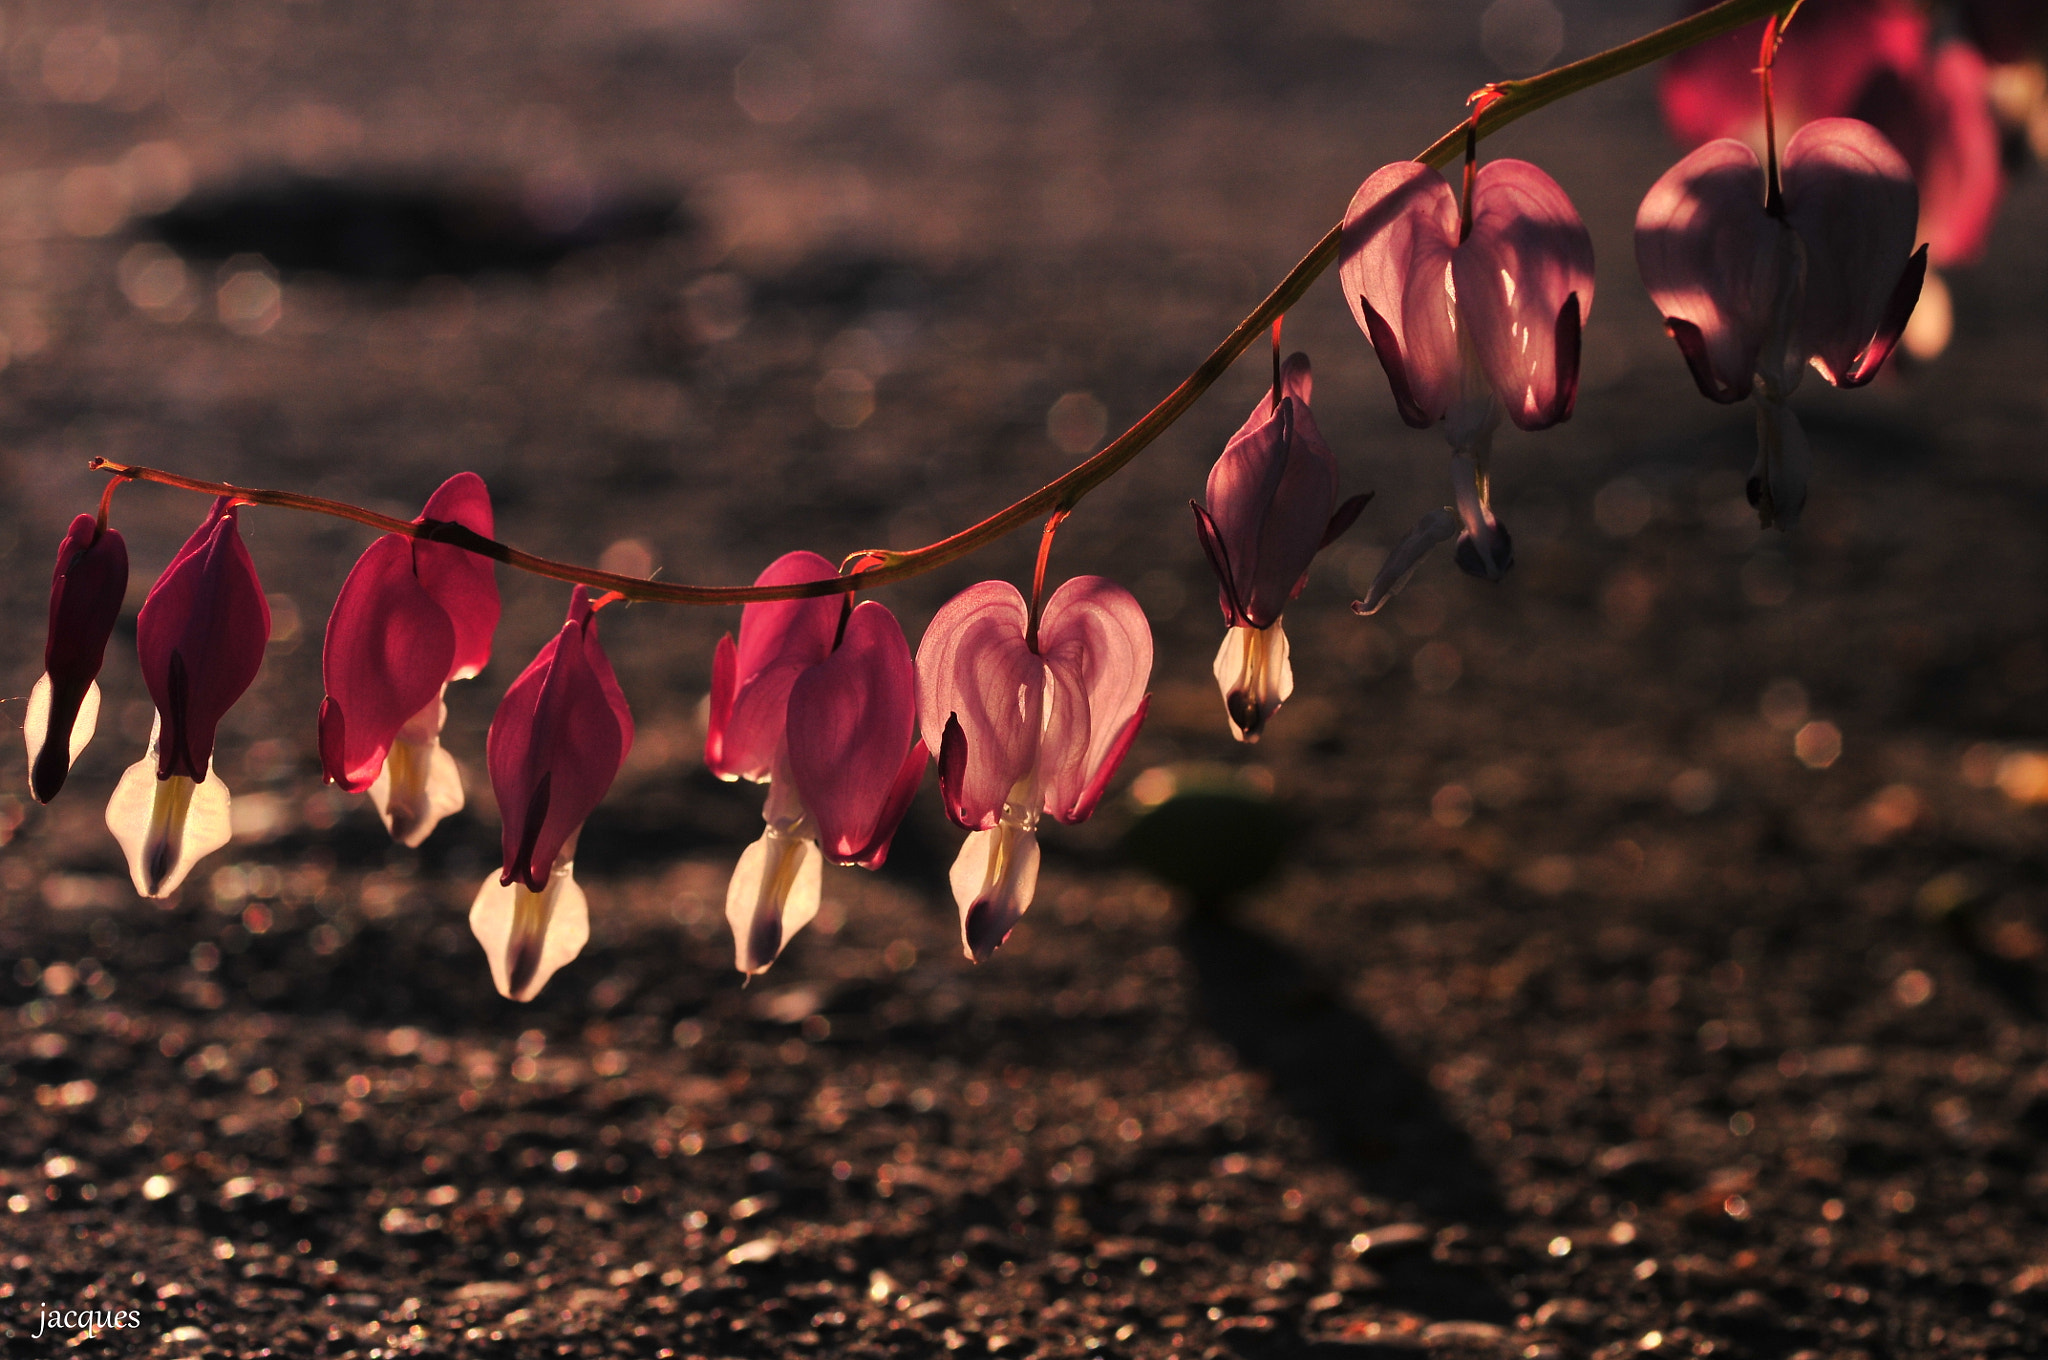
{"x":1511,"y":100}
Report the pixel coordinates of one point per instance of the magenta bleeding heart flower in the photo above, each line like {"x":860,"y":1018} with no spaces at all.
{"x":1875,"y":60}
{"x":560,"y":735}
{"x":1272,"y":506}
{"x":86,"y":592}
{"x":820,"y":702}
{"x":1755,"y":284}
{"x":1025,"y":725}
{"x":1472,"y":315}
{"x":413,"y":616}
{"x":200,"y":636}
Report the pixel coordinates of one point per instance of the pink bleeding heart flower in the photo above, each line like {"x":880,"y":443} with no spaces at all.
{"x":1025,"y":726}
{"x":1471,"y":319}
{"x":86,"y":592}
{"x":1870,"y":59}
{"x":556,"y":744}
{"x":414,"y":615}
{"x":1753,"y":290}
{"x":1272,"y":506}
{"x":200,"y":635}
{"x":820,"y":702}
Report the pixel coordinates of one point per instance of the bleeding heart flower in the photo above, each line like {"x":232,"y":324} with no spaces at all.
{"x":200,"y":635}
{"x":1024,"y":725}
{"x":1471,"y":317}
{"x":1870,"y":59}
{"x":820,"y":702}
{"x":557,"y":743}
{"x":1753,"y":290}
{"x":85,"y":600}
{"x":412,"y":616}
{"x":1272,"y":507}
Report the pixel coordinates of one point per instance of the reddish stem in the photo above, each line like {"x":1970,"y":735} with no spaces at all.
{"x":1052,"y":526}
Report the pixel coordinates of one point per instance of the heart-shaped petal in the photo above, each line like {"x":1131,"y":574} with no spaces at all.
{"x":1097,"y":648}
{"x":1716,"y":264}
{"x":1851,"y":198}
{"x":851,"y":718}
{"x":1525,"y":287}
{"x":464,"y":584}
{"x":1399,"y":234}
{"x":390,"y":649}
{"x":974,"y":669}
{"x":751,"y":678}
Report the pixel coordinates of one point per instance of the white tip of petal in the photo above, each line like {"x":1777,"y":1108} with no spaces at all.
{"x":36,"y":727}
{"x":165,"y":826}
{"x":994,"y":880}
{"x":773,"y":894}
{"x":528,"y":935}
{"x":1253,"y":671}
{"x":418,"y":786}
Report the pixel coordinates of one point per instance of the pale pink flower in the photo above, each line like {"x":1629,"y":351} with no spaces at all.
{"x":1026,"y":725}
{"x":1272,"y":506}
{"x":1754,"y":291}
{"x":1471,"y":319}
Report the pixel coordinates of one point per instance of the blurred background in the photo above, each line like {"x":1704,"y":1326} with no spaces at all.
{"x":1644,"y":952}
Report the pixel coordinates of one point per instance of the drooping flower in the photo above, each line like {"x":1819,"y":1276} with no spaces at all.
{"x":1272,"y":506}
{"x":1026,"y":725}
{"x":1754,"y":287}
{"x":200,"y":636}
{"x":85,"y":600}
{"x":413,"y":615}
{"x":819,"y":702}
{"x":557,"y":742}
{"x":1471,"y":316}
{"x":1870,"y":59}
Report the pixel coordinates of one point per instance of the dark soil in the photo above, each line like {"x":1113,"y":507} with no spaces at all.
{"x":1581,"y":1016}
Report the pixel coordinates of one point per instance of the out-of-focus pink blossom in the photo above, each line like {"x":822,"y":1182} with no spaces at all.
{"x":1753,"y":292}
{"x":1470,"y":320}
{"x":820,"y":702}
{"x":1870,"y":59}
{"x":1021,"y":731}
{"x":1272,"y":506}
{"x":200,"y":636}
{"x":413,"y":616}
{"x":557,"y":742}
{"x":85,"y":601}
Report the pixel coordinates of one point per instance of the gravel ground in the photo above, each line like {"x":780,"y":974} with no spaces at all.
{"x":1645,"y":955}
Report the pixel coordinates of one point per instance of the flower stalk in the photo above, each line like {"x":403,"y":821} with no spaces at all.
{"x":1503,"y":103}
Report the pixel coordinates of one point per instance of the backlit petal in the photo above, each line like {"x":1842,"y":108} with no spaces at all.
{"x":36,"y":728}
{"x":1270,"y":498}
{"x":389,"y":651}
{"x":1399,"y":233}
{"x":1255,"y":676}
{"x":556,"y":743}
{"x":851,"y":718}
{"x":462,"y":583}
{"x":994,"y":879}
{"x":528,"y":935}
{"x":1097,"y":648}
{"x":973,"y":667}
{"x":1525,"y":287}
{"x":777,"y":640}
{"x":86,"y":590}
{"x":200,"y":636}
{"x":1715,"y":261}
{"x":773,"y":894}
{"x":165,"y":826}
{"x":420,"y":783}
{"x":1850,"y":196}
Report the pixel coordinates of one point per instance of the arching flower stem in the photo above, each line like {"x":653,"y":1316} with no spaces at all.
{"x":1512,"y":99}
{"x":1052,"y":527}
